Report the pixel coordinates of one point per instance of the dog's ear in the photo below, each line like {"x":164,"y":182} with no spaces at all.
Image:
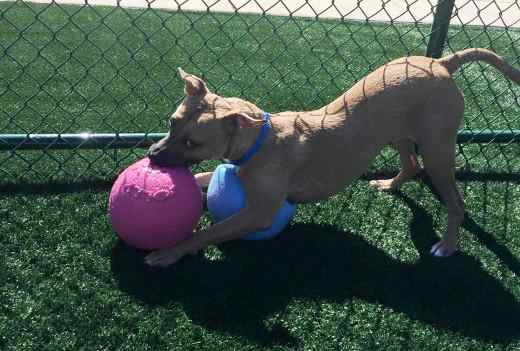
{"x":193,"y":85}
{"x":235,"y":120}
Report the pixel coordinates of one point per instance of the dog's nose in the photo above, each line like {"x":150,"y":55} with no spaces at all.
{"x":152,"y":150}
{"x":155,"y":150}
{"x":156,"y":155}
{"x":158,"y":160}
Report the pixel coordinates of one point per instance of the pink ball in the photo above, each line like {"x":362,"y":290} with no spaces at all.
{"x":154,"y":207}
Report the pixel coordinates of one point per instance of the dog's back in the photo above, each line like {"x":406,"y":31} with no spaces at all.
{"x":392,"y":103}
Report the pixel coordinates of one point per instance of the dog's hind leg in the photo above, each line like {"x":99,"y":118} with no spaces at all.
{"x":409,"y":167}
{"x":438,"y":156}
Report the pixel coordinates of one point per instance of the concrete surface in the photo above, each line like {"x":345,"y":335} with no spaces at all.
{"x":492,"y":12}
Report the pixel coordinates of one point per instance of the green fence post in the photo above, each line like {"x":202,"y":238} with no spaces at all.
{"x":440,"y":25}
{"x":439,"y":31}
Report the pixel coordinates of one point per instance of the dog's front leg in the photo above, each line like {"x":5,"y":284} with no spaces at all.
{"x":203,"y":179}
{"x":261,"y":208}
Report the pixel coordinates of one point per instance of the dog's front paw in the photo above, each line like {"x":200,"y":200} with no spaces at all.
{"x":443,"y":249}
{"x":166,"y":257}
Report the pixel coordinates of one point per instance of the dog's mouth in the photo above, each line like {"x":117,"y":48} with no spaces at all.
{"x":167,"y":163}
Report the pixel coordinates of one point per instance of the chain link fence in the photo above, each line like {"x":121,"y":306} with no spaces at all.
{"x":86,"y":85}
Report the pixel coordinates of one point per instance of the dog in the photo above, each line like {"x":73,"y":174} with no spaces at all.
{"x":308,"y":156}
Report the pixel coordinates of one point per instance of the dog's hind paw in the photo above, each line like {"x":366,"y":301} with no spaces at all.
{"x":442,"y":249}
{"x":384,"y":184}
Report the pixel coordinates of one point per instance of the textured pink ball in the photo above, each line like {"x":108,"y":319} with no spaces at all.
{"x":153,"y":207}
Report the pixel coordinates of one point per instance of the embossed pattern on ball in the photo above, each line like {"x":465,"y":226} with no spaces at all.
{"x":153,"y":207}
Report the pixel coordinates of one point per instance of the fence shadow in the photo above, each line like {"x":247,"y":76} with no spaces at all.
{"x":101,"y":184}
{"x":58,"y":187}
{"x":461,"y":176}
{"x":324,"y":263}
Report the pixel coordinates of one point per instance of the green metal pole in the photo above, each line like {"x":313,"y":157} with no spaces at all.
{"x":489,"y":136}
{"x":439,"y":32}
{"x":144,"y":140}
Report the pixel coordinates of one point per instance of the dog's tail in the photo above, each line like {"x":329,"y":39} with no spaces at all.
{"x":454,"y":61}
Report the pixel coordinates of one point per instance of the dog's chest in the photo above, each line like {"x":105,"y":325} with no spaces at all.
{"x":316,"y":183}
{"x":308,"y":191}
{"x":331,"y":163}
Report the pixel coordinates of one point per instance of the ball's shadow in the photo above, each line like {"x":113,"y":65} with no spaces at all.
{"x":257,"y":279}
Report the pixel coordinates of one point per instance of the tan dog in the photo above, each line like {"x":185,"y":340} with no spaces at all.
{"x":309,"y":156}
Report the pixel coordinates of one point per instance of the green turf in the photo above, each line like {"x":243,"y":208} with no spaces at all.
{"x":351,"y":273}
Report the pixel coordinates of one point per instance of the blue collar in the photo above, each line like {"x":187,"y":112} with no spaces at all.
{"x":258,"y":143}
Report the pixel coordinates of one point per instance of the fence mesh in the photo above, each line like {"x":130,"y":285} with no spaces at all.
{"x":102,"y":66}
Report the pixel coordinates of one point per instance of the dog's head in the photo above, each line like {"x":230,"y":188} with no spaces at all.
{"x":203,"y":127}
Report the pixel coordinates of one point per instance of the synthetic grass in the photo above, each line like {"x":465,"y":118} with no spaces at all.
{"x":350,"y":273}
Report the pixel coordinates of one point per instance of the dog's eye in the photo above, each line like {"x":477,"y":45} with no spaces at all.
{"x":189,"y":144}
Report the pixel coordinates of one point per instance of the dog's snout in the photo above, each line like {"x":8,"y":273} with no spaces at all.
{"x":153,"y":150}
{"x":158,"y":148}
{"x":158,"y":160}
{"x":156,"y":153}
{"x":163,"y":155}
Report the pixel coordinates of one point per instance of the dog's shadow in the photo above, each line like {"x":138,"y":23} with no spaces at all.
{"x":257,"y":279}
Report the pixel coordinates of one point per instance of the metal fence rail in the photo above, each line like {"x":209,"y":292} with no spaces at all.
{"x":79,"y":78}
